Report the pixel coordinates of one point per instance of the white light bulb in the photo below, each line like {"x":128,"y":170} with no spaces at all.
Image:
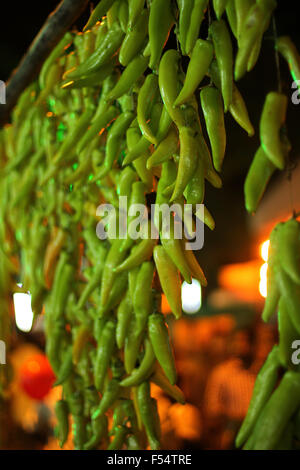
{"x":191,"y":297}
{"x":23,"y":311}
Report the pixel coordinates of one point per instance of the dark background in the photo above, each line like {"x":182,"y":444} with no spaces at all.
{"x":230,"y":242}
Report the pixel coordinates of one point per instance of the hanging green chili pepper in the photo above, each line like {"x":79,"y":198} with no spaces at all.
{"x":219,"y":7}
{"x":287,"y":335}
{"x":66,"y":367}
{"x":264,"y":386}
{"x":165,"y":150}
{"x":143,"y":300}
{"x":161,"y":21}
{"x":160,"y":341}
{"x":146,"y":96}
{"x":140,"y":253}
{"x":290,"y":291}
{"x":159,"y":379}
{"x":124,"y":315}
{"x":146,"y":412}
{"x":289,"y":238}
{"x":134,"y":39}
{"x":114,"y":258}
{"x":100,"y":10}
{"x":201,"y":57}
{"x":119,"y":438}
{"x":130,"y":75}
{"x":104,"y":352}
{"x":212,"y":106}
{"x":185,"y":12}
{"x":197,"y":16}
{"x":135,"y":10}
{"x":224,"y":55}
{"x":169,"y":279}
{"x":110,"y":395}
{"x":144,"y":370}
{"x":272,"y":119}
{"x":289,"y":51}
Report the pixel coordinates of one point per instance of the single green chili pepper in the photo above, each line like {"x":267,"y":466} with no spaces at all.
{"x":114,"y":258}
{"x":169,"y":85}
{"x":119,"y":439}
{"x":224,"y":55}
{"x":272,"y":119}
{"x":116,"y":294}
{"x":161,"y":21}
{"x":164,"y":125}
{"x":95,"y":279}
{"x":168,"y":177}
{"x":137,"y":198}
{"x":289,"y":249}
{"x":103,"y":54}
{"x":144,"y":370}
{"x":160,"y":341}
{"x":252,"y":29}
{"x":143,"y":300}
{"x":146,"y":412}
{"x":105,"y":349}
{"x":212,"y":107}
{"x":263,"y":388}
{"x":185,"y":13}
{"x":100,"y":10}
{"x":165,"y":150}
{"x":276,"y":414}
{"x":134,"y":39}
{"x":196,"y":270}
{"x":169,"y":279}
{"x":174,"y":250}
{"x":75,"y":402}
{"x":194,"y":192}
{"x":146,"y":175}
{"x":135,"y":10}
{"x":146,"y":96}
{"x":99,"y":427}
{"x":287,"y":335}
{"x":112,"y":14}
{"x":62,"y":415}
{"x":124,"y":15}
{"x":97,"y":125}
{"x":188,"y":160}
{"x":242,"y":8}
{"x":232,"y":16}
{"x":140,"y":253}
{"x":110,"y":395}
{"x":289,"y":51}
{"x":66,"y":367}
{"x":127,"y":177}
{"x":197,"y":16}
{"x":133,"y":343}
{"x":113,"y":143}
{"x":159,"y":379}
{"x":92,"y":80}
{"x":219,"y":7}
{"x":130,"y":75}
{"x":55,"y":54}
{"x":201,"y":57}
{"x":290,"y":291}
{"x":258,"y":176}
{"x":124,"y":316}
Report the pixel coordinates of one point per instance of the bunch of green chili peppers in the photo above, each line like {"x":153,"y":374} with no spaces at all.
{"x":114,"y":113}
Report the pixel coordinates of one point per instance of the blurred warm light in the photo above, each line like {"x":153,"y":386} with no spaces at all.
{"x":263,"y":280}
{"x":191,"y":297}
{"x":264,"y":250}
{"x":165,"y":307}
{"x":242,"y":279}
{"x":23,"y":311}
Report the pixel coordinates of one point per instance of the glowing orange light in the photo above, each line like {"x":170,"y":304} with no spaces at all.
{"x":264,"y":252}
{"x":34,"y":366}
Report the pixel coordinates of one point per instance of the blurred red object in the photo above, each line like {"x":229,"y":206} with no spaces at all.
{"x":36,"y":376}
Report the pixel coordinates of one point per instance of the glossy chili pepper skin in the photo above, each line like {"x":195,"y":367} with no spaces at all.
{"x":197,"y":16}
{"x":160,"y":341}
{"x":105,"y":349}
{"x":272,"y":119}
{"x":160,"y":22}
{"x":264,"y":386}
{"x":275,"y":416}
{"x":146,"y":411}
{"x":159,"y":379}
{"x":134,"y":39}
{"x":212,"y":107}
{"x":289,"y":51}
{"x":144,"y":370}
{"x":130,"y":75}
{"x":169,"y":278}
{"x":124,"y":316}
{"x":110,"y":394}
{"x":287,"y":335}
{"x":147,"y":94}
{"x":219,"y":7}
{"x":201,"y":57}
{"x":290,"y":291}
{"x":165,"y":150}
{"x":99,"y":428}
{"x":224,"y":55}
{"x":101,"y":9}
{"x":142,"y":300}
{"x":289,"y":249}
{"x":66,"y":367}
{"x":185,"y":12}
